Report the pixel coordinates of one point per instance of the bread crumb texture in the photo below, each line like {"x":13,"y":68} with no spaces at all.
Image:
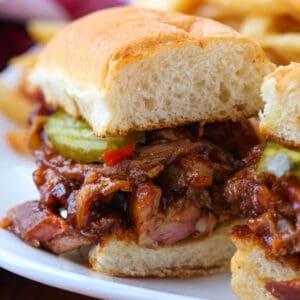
{"x":131,"y":68}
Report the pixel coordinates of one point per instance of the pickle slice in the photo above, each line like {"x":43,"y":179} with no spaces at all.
{"x":279,"y":160}
{"x":75,"y":139}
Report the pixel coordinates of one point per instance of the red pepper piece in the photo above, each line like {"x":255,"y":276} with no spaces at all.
{"x":113,"y":157}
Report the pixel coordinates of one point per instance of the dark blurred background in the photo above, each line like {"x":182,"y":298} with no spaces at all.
{"x":14,"y":14}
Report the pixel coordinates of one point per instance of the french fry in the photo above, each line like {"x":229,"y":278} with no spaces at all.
{"x":256,"y":26}
{"x":43,"y":31}
{"x":247,"y":7}
{"x":287,"y":23}
{"x":286,"y":42}
{"x":186,"y":6}
{"x":18,"y":140}
{"x":274,"y":24}
{"x":285,"y":47}
{"x":14,"y":105}
{"x":26,"y":60}
{"x":296,"y":4}
{"x":24,"y":63}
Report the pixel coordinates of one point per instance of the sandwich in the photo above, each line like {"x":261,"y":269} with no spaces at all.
{"x":144,"y":119}
{"x":267,"y":262}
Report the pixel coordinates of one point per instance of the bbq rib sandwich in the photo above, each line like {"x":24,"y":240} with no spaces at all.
{"x":144,"y":120}
{"x":267,"y":262}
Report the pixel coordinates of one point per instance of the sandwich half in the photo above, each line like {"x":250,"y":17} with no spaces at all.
{"x":143,"y":121}
{"x":267,"y":262}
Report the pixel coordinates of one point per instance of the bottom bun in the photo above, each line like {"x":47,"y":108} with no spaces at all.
{"x":193,"y":257}
{"x":252,"y":269}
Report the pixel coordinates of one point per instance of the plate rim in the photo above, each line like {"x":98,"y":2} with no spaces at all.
{"x":70,"y":280}
{"x":65,"y":280}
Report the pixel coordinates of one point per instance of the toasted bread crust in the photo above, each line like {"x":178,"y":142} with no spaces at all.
{"x":183,"y":272}
{"x":195,"y":256}
{"x":122,"y":69}
{"x":242,"y":233}
{"x":280,"y":140}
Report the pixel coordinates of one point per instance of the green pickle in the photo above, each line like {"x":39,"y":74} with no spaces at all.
{"x":75,"y":139}
{"x":279,"y":160}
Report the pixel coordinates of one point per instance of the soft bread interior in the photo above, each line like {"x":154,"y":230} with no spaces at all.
{"x":251,"y":270}
{"x":280,"y":118}
{"x":135,"y":69}
{"x":185,"y":84}
{"x":170,"y":87}
{"x":197,"y":256}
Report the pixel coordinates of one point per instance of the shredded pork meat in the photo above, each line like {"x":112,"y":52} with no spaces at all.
{"x":169,"y":189}
{"x":39,"y":226}
{"x":271,"y":204}
{"x":285,"y":290}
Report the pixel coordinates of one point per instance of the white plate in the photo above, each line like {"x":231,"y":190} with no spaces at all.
{"x":16,"y":186}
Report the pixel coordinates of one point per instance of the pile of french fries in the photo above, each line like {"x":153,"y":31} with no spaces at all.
{"x":275,"y":24}
{"x":15,"y":102}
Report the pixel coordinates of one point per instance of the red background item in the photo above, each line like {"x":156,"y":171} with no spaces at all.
{"x":13,"y":41}
{"x":13,"y":36}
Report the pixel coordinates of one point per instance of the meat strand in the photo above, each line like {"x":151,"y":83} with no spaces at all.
{"x":285,"y":290}
{"x":39,"y":226}
{"x":271,"y":205}
{"x":67,"y":241}
{"x":35,"y":224}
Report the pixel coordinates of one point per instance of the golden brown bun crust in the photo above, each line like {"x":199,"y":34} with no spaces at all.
{"x":280,"y":120}
{"x":242,"y":233}
{"x":107,"y":40}
{"x":130,"y":68}
{"x":279,"y":140}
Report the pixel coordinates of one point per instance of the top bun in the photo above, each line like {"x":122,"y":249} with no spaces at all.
{"x":280,"y":119}
{"x":131,"y":68}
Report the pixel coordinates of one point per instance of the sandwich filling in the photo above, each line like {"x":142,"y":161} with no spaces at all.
{"x":168,"y":187}
{"x":267,"y":191}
